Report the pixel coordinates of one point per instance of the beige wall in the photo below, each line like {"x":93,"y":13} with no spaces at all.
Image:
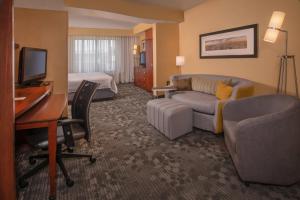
{"x":47,"y":30}
{"x":100,"y":32}
{"x":130,"y":8}
{"x":165,"y":50}
{"x":215,"y":15}
{"x":166,"y":37}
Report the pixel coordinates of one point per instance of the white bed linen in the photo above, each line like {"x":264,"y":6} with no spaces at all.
{"x":105,"y":81}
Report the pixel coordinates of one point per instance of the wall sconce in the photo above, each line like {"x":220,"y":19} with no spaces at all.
{"x":180,"y":61}
{"x":136,"y":49}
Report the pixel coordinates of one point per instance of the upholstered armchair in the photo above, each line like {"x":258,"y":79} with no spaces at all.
{"x":262,"y":135}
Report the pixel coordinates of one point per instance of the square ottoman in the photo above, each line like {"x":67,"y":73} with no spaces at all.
{"x":170,"y":117}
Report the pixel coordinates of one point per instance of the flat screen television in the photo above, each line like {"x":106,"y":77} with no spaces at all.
{"x":143,"y":58}
{"x":32,"y":65}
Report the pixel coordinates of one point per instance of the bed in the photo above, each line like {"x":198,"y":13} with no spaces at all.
{"x":106,"y":90}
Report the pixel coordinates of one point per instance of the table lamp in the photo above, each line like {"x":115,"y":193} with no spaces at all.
{"x":180,"y":61}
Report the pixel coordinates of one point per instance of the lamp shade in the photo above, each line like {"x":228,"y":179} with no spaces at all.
{"x":271,"y":35}
{"x":275,"y":23}
{"x":180,"y":60}
{"x":277,"y":19}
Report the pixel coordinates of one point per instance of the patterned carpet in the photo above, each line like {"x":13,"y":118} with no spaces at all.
{"x":135,"y":161}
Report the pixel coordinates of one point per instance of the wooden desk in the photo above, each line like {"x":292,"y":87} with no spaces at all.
{"x":42,"y":110}
{"x":33,"y":96}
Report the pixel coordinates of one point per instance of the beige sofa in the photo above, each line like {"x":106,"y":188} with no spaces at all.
{"x":207,"y":109}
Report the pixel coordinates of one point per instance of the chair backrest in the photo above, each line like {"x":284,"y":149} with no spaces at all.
{"x":81,"y":104}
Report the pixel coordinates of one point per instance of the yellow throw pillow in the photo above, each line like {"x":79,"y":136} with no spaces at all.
{"x":223,"y":91}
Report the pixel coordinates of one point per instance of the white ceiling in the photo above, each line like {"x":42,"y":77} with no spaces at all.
{"x":41,"y":4}
{"x":174,"y":4}
{"x":87,"y":18}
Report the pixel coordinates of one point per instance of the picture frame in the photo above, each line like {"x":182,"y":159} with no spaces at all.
{"x":240,"y":42}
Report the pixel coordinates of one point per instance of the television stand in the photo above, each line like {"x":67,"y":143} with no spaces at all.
{"x":35,"y":84}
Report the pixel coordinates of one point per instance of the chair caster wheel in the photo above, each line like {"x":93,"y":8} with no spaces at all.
{"x":32,"y":161}
{"x":52,"y":198}
{"x":69,"y":182}
{"x":70,"y":150}
{"x":92,"y":160}
{"x":23,"y":183}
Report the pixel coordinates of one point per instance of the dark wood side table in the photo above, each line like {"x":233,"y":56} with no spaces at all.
{"x":162,"y":89}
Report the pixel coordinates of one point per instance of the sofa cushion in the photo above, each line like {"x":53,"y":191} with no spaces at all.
{"x":183,"y":84}
{"x":200,"y":102}
{"x":204,"y":85}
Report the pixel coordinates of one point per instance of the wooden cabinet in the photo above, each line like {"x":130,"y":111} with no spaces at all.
{"x":143,"y":75}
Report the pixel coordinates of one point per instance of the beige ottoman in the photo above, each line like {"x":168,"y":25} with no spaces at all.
{"x":170,"y":117}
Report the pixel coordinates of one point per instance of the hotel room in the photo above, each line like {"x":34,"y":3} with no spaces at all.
{"x":149,"y":99}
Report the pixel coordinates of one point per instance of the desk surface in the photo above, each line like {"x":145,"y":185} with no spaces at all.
{"x":48,"y":109}
{"x":33,"y":96}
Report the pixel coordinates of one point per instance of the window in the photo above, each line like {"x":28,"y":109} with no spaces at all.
{"x":111,"y":55}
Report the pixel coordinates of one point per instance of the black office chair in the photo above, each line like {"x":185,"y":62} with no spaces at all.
{"x":68,"y":131}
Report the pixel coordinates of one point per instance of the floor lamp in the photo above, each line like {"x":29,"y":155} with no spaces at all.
{"x":271,"y":35}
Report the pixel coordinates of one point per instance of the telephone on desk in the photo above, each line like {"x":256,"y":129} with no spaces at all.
{"x":20,"y":98}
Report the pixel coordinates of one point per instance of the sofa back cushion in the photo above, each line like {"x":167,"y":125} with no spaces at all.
{"x":241,"y":87}
{"x":183,"y":84}
{"x":207,"y":86}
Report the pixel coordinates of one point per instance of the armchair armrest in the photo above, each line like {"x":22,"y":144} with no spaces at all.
{"x":260,"y":138}
{"x":218,"y":117}
{"x":65,"y":122}
{"x":238,"y":110}
{"x":67,"y":129}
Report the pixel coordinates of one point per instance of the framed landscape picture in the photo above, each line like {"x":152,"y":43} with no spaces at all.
{"x":238,"y":42}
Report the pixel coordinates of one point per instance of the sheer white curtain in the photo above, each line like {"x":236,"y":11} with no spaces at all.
{"x":112,"y":55}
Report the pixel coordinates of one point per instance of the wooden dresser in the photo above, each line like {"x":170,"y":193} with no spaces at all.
{"x":143,"y":75}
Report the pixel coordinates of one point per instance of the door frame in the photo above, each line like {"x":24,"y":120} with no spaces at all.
{"x":7,"y":135}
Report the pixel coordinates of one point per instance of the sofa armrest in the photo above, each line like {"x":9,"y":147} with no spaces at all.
{"x":242,"y":90}
{"x":168,"y":94}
